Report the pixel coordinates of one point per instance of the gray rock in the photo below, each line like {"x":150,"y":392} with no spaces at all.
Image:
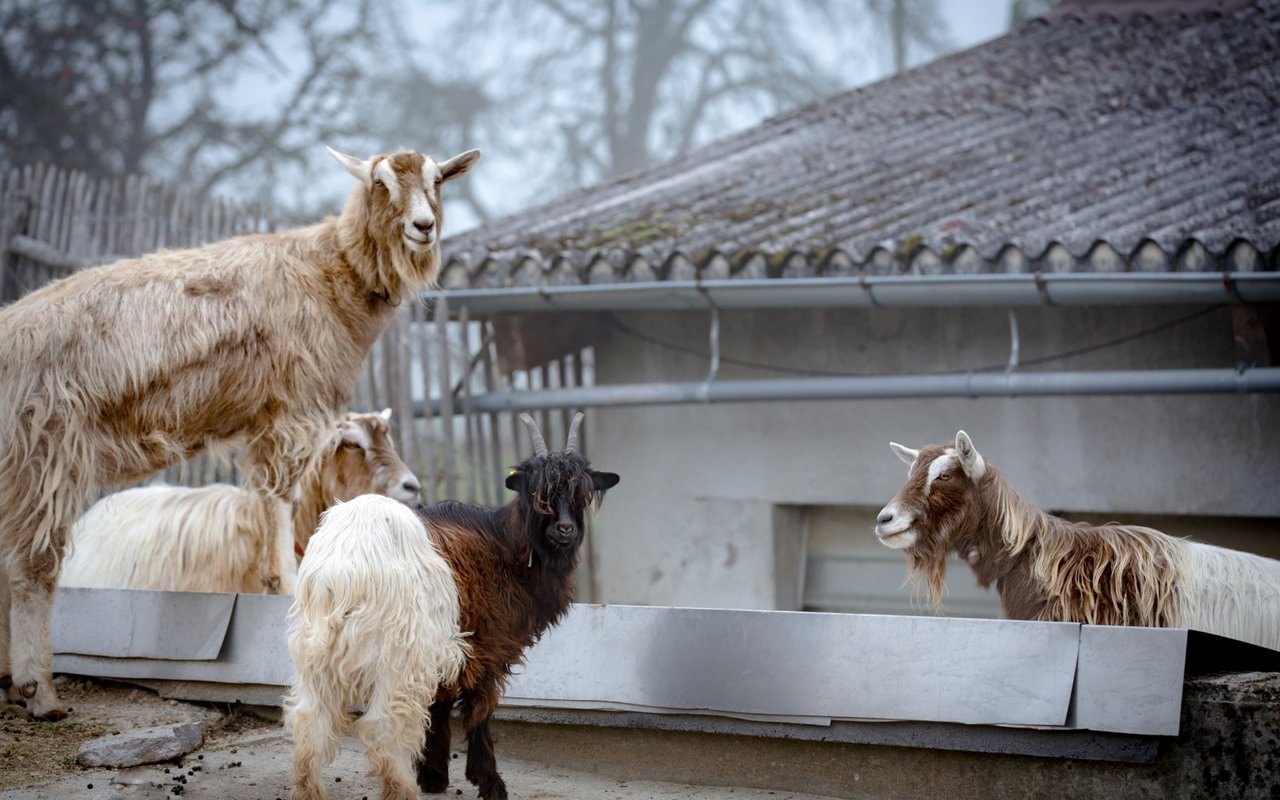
{"x":142,"y":746}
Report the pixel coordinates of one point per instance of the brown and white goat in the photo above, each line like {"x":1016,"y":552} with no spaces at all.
{"x":118,"y":371}
{"x":514,"y":567}
{"x":375,"y":623}
{"x":1046,"y":568}
{"x":223,"y":538}
{"x":365,"y":461}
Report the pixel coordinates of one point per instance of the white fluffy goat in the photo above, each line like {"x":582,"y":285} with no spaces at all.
{"x":222,"y":538}
{"x":216,"y":538}
{"x":375,"y":623}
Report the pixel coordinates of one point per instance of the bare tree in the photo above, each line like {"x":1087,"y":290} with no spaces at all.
{"x":606,"y":87}
{"x":597,"y":88}
{"x":209,"y":92}
{"x":913,"y":26}
{"x":408,"y":99}
{"x":237,"y":96}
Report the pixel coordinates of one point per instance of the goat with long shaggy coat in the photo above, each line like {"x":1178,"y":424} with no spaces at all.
{"x":375,"y":623}
{"x":365,"y":462}
{"x":118,"y":371}
{"x":515,"y":571}
{"x":222,"y":538}
{"x":1045,"y":568}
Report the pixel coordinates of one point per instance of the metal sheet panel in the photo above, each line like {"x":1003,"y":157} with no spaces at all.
{"x":254,"y":650}
{"x":771,"y":666}
{"x":121,"y":623}
{"x":1129,"y":680}
{"x":789,"y":664}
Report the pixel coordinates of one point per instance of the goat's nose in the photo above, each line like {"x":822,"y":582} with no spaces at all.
{"x":424,"y":225}
{"x":411,"y":485}
{"x":564,"y":527}
{"x":885,"y":516}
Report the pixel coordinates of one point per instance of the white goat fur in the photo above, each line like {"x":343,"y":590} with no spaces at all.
{"x":216,"y":538}
{"x":375,"y":623}
{"x":1229,"y":593}
{"x":224,"y":538}
{"x":118,"y":371}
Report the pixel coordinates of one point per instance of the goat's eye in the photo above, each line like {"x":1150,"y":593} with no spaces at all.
{"x":946,"y":476}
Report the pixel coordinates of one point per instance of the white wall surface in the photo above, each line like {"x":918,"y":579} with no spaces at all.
{"x":691,"y":525}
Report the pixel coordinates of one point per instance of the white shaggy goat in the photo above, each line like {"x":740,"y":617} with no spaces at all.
{"x":375,"y":624}
{"x":224,"y":538}
{"x":1046,"y":568}
{"x":116,"y":372}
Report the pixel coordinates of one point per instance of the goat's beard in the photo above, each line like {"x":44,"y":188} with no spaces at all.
{"x":927,"y":565}
{"x":561,"y":557}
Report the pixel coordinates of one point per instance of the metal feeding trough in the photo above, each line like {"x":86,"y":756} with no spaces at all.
{"x":969,"y":684}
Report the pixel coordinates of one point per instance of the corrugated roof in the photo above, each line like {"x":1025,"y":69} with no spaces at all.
{"x":1084,"y":141}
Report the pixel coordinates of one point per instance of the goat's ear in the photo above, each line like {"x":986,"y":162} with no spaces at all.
{"x":459,"y":165}
{"x":604,"y":480}
{"x":970,"y":459}
{"x":385,"y":414}
{"x":907,"y":455}
{"x":360,"y":169}
{"x":515,"y":480}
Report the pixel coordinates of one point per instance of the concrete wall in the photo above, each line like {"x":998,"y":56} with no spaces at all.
{"x":1227,"y":748}
{"x":693,"y":521}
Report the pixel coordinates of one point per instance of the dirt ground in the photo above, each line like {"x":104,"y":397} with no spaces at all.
{"x":38,"y":751}
{"x":247,"y":757}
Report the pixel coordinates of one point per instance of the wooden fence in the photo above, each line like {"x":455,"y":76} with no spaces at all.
{"x":426,"y":368}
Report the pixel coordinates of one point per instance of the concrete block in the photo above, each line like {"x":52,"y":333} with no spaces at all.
{"x":142,"y":746}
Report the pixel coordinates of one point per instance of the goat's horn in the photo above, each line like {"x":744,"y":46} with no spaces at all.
{"x":539,"y":444}
{"x":571,"y":446}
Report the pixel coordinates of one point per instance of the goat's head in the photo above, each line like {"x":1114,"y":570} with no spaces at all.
{"x":366,"y":462}
{"x":554,"y":491}
{"x":942,"y":485}
{"x":932,"y":513}
{"x":398,"y":204}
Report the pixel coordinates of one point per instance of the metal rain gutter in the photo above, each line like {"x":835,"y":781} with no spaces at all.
{"x":883,"y":387}
{"x":884,"y":291}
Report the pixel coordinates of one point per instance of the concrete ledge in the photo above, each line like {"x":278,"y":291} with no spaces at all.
{"x":1229,"y":747}
{"x":1048,"y":743}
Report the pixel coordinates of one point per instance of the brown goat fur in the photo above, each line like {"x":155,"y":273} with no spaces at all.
{"x":514,"y":567}
{"x":364,"y":461}
{"x":115,"y":372}
{"x":1046,"y":568}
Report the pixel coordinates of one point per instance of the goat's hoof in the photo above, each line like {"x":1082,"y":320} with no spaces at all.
{"x":52,"y":715}
{"x":433,"y":784}
{"x":5,"y":682}
{"x":497,"y":791}
{"x":40,"y":705}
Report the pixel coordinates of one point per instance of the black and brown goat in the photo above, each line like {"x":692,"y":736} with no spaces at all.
{"x":514,"y":569}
